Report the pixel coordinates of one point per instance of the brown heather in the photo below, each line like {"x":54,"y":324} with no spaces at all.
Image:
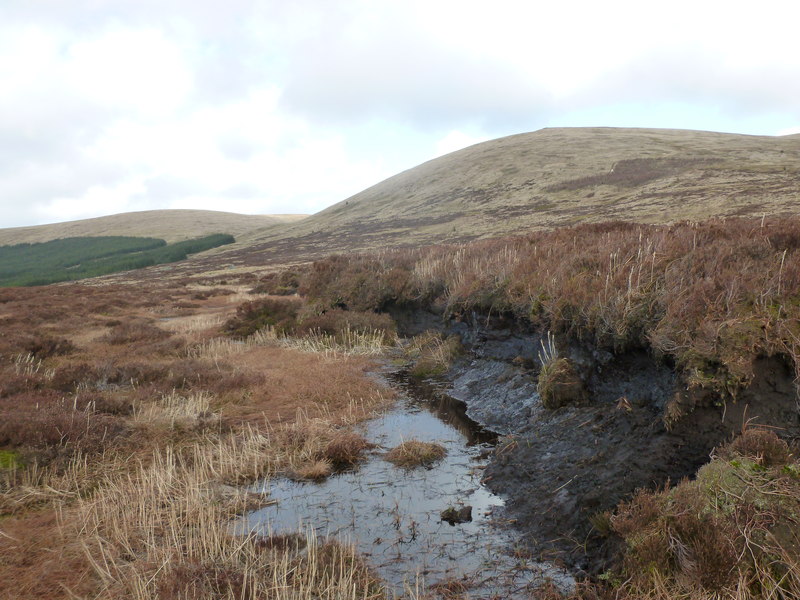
{"x":708,"y":296}
{"x":730,"y":533}
{"x":129,"y":412}
{"x":126,"y":418}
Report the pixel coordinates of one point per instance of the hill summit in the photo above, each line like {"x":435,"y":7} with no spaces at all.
{"x":552,"y":178}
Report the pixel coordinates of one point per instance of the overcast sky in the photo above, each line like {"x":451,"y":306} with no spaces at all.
{"x":290,"y":106}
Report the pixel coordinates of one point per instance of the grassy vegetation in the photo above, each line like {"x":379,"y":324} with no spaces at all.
{"x":432,"y":354}
{"x":632,"y":172}
{"x":730,"y":533}
{"x":172,"y":225}
{"x":292,"y":316}
{"x":71,"y":259}
{"x":709,"y":297}
{"x":415,"y":453}
{"x":123,"y":436}
{"x":549,"y":179}
{"x":559,"y":384}
{"x":9,"y":460}
{"x":126,"y":412}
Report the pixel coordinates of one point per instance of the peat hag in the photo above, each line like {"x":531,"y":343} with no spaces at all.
{"x":639,"y":427}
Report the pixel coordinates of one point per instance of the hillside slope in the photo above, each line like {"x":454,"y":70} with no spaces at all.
{"x":550,"y":178}
{"x":169,"y":225}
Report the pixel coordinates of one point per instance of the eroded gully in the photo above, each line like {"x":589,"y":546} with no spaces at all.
{"x":393,"y":515}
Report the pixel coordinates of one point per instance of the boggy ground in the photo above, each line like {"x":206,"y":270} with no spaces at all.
{"x":562,"y":468}
{"x":127,"y":422}
{"x":137,"y":413}
{"x":669,"y":340}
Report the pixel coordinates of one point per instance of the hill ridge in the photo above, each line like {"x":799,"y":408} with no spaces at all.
{"x":172,"y":225}
{"x":550,"y":178}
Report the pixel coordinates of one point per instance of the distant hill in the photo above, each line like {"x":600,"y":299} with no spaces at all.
{"x":549,"y":178}
{"x":169,"y":225}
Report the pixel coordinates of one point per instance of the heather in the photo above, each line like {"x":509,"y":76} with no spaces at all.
{"x":708,"y":297}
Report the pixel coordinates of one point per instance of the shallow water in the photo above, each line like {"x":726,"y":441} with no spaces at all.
{"x":392,"y":514}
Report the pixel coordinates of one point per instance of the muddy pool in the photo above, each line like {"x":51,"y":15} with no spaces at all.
{"x":392,"y":514}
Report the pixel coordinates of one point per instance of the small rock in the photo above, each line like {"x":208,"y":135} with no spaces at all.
{"x":455,"y":515}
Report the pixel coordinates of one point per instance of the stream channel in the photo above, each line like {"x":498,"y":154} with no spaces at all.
{"x":392,"y":514}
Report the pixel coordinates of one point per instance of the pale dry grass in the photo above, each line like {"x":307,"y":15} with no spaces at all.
{"x":34,"y":486}
{"x":29,"y":365}
{"x":239,"y":297}
{"x":194,"y":323}
{"x":346,"y":343}
{"x":312,"y":448}
{"x":432,"y":353}
{"x":174,"y":410}
{"x":146,"y":532}
{"x":415,"y":453}
{"x":216,"y":348}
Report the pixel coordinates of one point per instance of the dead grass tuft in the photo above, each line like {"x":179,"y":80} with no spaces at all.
{"x":415,"y":453}
{"x":315,"y":448}
{"x":560,"y":385}
{"x":761,"y":445}
{"x":346,"y":449}
{"x":432,"y":354}
{"x":313,"y":469}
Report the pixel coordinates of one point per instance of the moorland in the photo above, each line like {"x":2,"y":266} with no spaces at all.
{"x":634,"y":295}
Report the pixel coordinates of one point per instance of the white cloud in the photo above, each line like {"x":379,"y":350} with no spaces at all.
{"x":138,"y":71}
{"x":789,"y":131}
{"x":289,"y":107}
{"x":456,"y":140}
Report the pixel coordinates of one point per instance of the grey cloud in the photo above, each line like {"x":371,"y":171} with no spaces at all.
{"x":392,"y":71}
{"x":51,"y":133}
{"x":244,"y":191}
{"x":413,"y":85}
{"x":701,"y":78}
{"x":166,"y":188}
{"x":236,"y":147}
{"x":25,"y":193}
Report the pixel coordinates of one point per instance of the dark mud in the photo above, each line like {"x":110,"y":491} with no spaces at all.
{"x":397,"y":518}
{"x":558,"y":468}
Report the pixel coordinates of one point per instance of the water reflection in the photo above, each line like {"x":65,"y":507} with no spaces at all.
{"x":392,"y":514}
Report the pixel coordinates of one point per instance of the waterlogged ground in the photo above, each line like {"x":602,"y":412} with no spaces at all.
{"x":392,"y":514}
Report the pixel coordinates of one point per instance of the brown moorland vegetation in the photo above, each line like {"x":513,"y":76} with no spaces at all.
{"x":416,"y":453}
{"x":710,"y":297}
{"x":126,"y":414}
{"x":730,"y":533}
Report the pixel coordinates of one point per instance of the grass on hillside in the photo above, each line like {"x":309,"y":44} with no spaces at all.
{"x":71,"y":259}
{"x":552,"y":178}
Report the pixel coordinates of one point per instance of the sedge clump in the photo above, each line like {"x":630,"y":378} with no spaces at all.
{"x":415,"y":453}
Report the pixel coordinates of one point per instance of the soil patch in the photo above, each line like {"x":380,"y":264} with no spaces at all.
{"x":557,"y":468}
